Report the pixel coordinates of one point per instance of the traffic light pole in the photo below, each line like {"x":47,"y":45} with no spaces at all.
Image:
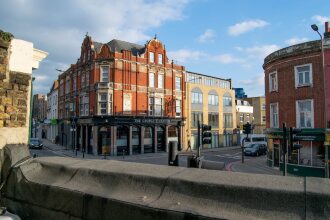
{"x":284,"y":149}
{"x":246,"y":130}
{"x":198,"y":139}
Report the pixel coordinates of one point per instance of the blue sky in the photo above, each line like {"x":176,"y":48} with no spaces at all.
{"x":222,"y":38}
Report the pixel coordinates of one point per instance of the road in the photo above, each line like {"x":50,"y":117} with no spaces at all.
{"x":231,"y":157}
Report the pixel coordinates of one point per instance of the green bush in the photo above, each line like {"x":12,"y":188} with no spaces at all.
{"x":6,"y":36}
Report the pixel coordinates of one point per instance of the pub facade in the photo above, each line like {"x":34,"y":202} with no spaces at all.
{"x":121,"y":98}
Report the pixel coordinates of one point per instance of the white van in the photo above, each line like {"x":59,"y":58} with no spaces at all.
{"x":254,"y":139}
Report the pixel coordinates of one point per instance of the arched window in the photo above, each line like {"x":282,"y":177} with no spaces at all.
{"x":213,"y":98}
{"x":227,"y":100}
{"x":196,"y":96}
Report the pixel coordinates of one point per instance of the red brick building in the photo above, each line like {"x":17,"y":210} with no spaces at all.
{"x":295,"y":95}
{"x":125,"y":96}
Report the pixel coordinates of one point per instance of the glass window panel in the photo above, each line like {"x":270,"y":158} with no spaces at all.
{"x":160,"y":58}
{"x":177,"y":83}
{"x":151,"y":57}
{"x":307,"y":77}
{"x":151,"y":80}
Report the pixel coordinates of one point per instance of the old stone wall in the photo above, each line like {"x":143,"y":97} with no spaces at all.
{"x":67,"y":188}
{"x":13,"y":92}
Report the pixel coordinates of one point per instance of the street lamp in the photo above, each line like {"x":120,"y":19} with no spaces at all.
{"x":326,"y":164}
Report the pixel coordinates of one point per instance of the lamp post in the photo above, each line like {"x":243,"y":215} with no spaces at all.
{"x":326,"y":164}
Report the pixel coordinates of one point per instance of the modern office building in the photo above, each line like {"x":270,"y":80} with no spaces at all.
{"x":240,"y":93}
{"x":210,"y":100}
{"x":127,"y":98}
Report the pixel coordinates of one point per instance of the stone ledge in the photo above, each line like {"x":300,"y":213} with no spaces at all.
{"x":65,"y":188}
{"x":294,"y":50}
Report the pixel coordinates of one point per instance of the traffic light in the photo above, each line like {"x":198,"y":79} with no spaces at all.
{"x":206,"y":134}
{"x":293,"y":133}
{"x":247,"y":128}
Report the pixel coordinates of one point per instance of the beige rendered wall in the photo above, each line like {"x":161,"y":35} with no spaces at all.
{"x":205,"y":90}
{"x":18,"y":58}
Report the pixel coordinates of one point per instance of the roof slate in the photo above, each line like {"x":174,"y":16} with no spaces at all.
{"x":97,"y":46}
{"x":119,"y":45}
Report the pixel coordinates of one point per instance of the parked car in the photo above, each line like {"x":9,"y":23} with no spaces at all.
{"x":255,"y":150}
{"x":35,"y":143}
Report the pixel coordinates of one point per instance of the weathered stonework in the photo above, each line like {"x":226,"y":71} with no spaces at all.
{"x":13,"y":91}
{"x":15,"y":100}
{"x":294,"y":50}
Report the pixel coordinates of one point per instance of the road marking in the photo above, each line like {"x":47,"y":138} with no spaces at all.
{"x":232,"y":156}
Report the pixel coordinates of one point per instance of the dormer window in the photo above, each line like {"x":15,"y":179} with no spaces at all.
{"x":151,"y":57}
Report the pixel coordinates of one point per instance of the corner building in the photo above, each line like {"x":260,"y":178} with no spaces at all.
{"x":295,"y":95}
{"x":128,"y":98}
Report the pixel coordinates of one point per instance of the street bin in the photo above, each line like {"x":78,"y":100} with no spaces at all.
{"x":173,"y":158}
{"x":192,"y":161}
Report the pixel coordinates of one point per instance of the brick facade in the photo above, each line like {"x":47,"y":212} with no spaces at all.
{"x":283,"y":62}
{"x":126,"y":87}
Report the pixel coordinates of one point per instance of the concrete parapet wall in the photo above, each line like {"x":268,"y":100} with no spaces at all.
{"x":66,"y":188}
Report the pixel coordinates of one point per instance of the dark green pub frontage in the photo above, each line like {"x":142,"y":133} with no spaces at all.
{"x":308,"y":160}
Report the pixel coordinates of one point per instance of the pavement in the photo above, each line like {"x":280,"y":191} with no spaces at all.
{"x":250,"y":165}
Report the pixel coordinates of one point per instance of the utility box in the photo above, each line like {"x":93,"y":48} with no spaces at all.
{"x":173,"y":158}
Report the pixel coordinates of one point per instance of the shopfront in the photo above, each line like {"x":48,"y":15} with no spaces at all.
{"x":305,"y":154}
{"x":119,"y":135}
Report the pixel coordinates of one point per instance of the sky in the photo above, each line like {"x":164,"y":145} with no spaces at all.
{"x":228,"y":39}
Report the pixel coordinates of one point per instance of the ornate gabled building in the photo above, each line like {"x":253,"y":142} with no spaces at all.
{"x":125,"y":98}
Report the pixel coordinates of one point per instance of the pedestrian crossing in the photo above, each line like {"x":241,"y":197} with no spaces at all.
{"x":237,"y":155}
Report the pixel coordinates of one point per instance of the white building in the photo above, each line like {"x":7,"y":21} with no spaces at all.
{"x":244,"y":113}
{"x":52,"y":109}
{"x":23,"y":58}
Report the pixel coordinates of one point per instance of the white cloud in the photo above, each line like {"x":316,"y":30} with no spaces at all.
{"x":184,"y":55}
{"x":208,"y":35}
{"x":320,"y":19}
{"x":59,"y":31}
{"x":295,"y":40}
{"x":257,"y":80}
{"x":246,"y":26}
{"x":41,"y":78}
{"x":227,"y":59}
{"x":261,"y":51}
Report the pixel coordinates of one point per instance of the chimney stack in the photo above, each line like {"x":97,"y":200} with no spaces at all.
{"x":327,"y":29}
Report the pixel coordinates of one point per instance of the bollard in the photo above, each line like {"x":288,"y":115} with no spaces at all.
{"x":173,"y":158}
{"x":192,"y":161}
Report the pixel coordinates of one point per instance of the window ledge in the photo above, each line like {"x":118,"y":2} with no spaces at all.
{"x":304,"y":85}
